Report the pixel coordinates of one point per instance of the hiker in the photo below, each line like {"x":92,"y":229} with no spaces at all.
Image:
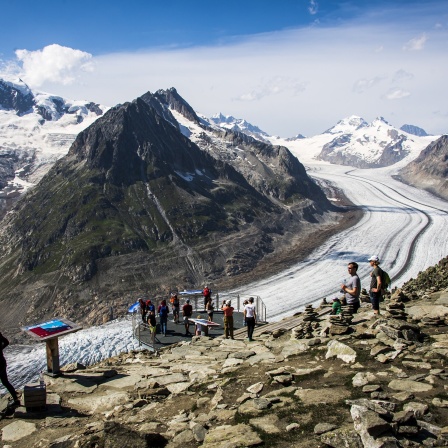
{"x":228,"y":319}
{"x":3,"y":375}
{"x":336,"y":307}
{"x":207,"y":293}
{"x":187,"y":311}
{"x":150,"y":307}
{"x":250,"y":316}
{"x":163,"y":311}
{"x":353,"y":287}
{"x":375,"y":284}
{"x":152,"y":323}
{"x":176,"y":306}
{"x":142,"y":305}
{"x":210,"y":309}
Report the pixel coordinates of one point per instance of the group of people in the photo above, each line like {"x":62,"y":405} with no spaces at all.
{"x":352,"y":287}
{"x":148,"y":314}
{"x":249,"y":314}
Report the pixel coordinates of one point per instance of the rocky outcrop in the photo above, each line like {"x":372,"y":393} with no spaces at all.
{"x":430,"y":169}
{"x":414,"y":130}
{"x":373,"y":387}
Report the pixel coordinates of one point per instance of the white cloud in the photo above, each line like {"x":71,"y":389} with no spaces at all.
{"x":402,"y":75}
{"x":416,"y":44}
{"x":397,"y":94}
{"x":274,"y":86}
{"x":287,"y":82}
{"x":313,"y":7}
{"x":54,"y":63}
{"x":361,"y":85}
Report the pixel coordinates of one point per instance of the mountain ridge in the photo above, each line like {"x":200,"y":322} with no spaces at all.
{"x":135,"y":206}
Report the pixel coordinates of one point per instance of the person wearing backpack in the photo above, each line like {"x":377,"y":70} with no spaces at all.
{"x":376,"y":284}
{"x":163,"y":311}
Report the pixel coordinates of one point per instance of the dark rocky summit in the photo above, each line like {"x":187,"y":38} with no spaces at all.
{"x":414,"y":130}
{"x":430,"y":169}
{"x":137,"y":207}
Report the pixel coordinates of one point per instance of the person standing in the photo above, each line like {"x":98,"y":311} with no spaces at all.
{"x":375,"y":284}
{"x":150,"y":307}
{"x":210,"y":309}
{"x":228,"y":319}
{"x":3,"y":375}
{"x":163,"y":311}
{"x":187,"y":311}
{"x":176,"y":307}
{"x":152,"y":323}
{"x":207,"y":293}
{"x":142,"y":306}
{"x":352,"y":289}
{"x":250,"y":316}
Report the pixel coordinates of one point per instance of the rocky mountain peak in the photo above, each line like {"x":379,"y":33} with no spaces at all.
{"x":430,"y":169}
{"x":414,"y":130}
{"x":16,"y":96}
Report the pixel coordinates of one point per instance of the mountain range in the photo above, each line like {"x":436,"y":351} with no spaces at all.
{"x":137,"y":207}
{"x":152,"y":196}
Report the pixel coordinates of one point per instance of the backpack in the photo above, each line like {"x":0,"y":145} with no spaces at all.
{"x":385,"y":280}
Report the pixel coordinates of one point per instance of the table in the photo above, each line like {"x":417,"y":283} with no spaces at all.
{"x":204,"y":323}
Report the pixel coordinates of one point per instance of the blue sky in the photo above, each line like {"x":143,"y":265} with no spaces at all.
{"x":287,"y":66}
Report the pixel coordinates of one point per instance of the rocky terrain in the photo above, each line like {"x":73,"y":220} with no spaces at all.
{"x":430,"y":169}
{"x":307,"y":381}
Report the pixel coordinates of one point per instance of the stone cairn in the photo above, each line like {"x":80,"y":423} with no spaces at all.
{"x":395,"y":309}
{"x":340,"y":323}
{"x":364,"y":296}
{"x":310,"y":324}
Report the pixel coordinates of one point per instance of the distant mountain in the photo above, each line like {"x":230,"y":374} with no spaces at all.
{"x":238,"y":125}
{"x":137,"y":206}
{"x":35,"y":130}
{"x":352,"y":141}
{"x":355,"y":142}
{"x":430,"y":169}
{"x":414,"y":130}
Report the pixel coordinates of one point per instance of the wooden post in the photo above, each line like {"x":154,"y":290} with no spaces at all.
{"x":53,"y":367}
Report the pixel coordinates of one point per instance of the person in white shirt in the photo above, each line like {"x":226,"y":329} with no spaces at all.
{"x":250,"y":317}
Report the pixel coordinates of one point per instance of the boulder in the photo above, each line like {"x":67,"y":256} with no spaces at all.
{"x":228,"y":436}
{"x":409,"y":386}
{"x":339,"y":350}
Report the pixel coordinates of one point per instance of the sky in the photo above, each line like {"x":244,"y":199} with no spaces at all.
{"x":287,"y":66}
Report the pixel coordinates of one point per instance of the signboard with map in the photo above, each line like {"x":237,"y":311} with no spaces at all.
{"x":51,"y":329}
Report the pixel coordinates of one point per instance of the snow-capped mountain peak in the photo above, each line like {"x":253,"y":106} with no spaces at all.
{"x":347,"y":125}
{"x":239,"y":125}
{"x":35,"y":130}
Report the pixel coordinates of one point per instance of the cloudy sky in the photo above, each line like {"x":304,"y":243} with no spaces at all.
{"x":287,"y":66}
